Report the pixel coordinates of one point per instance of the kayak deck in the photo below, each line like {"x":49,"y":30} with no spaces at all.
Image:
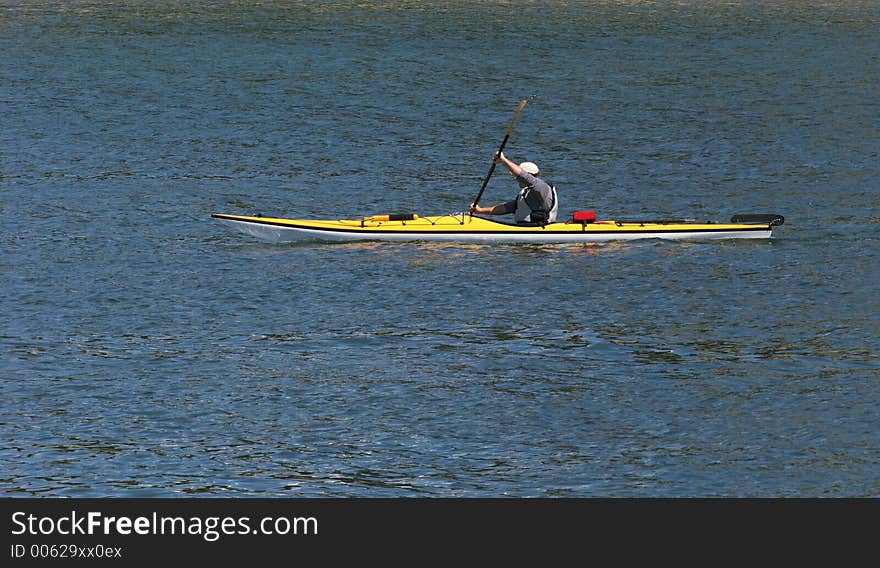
{"x":468,"y":228}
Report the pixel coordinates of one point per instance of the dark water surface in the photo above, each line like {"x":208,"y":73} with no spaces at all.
{"x":147,"y":351}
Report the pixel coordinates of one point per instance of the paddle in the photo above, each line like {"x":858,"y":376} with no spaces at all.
{"x":503,"y":143}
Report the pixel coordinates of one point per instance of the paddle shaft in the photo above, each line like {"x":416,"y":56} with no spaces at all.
{"x":503,"y":143}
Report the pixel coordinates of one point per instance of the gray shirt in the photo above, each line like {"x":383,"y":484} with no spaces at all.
{"x":538,"y":195}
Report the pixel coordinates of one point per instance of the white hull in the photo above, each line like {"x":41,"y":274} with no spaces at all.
{"x":280,"y":234}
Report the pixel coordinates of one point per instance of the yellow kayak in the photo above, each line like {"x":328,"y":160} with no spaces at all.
{"x":475,"y":229}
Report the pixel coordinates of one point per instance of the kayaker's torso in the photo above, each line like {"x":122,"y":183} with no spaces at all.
{"x":536,"y":196}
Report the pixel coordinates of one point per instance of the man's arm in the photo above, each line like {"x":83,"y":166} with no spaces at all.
{"x":500,"y":158}
{"x":500,"y":209}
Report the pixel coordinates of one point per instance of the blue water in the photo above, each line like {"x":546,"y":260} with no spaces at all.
{"x":145,"y":350}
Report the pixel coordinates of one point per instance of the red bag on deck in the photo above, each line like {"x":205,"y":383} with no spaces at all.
{"x":583,"y":216}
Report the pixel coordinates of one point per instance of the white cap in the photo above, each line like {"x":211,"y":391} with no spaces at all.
{"x":529,"y":167}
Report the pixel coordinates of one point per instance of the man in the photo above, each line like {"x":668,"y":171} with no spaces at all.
{"x":536,"y":202}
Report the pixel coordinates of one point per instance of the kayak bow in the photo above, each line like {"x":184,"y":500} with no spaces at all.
{"x":473,"y":229}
